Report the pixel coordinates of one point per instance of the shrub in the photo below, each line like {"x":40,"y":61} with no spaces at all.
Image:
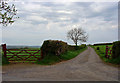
{"x":82,"y":46}
{"x":70,"y":47}
{"x":54,"y":47}
{"x":116,"y":49}
{"x":4,"y":60}
{"x":98,"y":48}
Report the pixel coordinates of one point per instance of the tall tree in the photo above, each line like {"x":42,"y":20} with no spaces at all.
{"x":77,"y":34}
{"x":7,"y":13}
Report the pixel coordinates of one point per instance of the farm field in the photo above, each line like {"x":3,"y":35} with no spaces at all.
{"x":102,"y":48}
{"x":101,"y":53}
{"x":25,"y":54}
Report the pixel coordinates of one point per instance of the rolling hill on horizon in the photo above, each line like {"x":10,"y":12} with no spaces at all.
{"x":10,"y":46}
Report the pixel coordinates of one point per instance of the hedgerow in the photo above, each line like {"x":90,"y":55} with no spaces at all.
{"x":116,"y":49}
{"x":54,"y":47}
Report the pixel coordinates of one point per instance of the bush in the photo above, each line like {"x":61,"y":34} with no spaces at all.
{"x":115,"y":61}
{"x":54,"y":47}
{"x":70,"y":47}
{"x":4,"y":60}
{"x":98,"y":48}
{"x":116,"y":49}
{"x":82,"y":46}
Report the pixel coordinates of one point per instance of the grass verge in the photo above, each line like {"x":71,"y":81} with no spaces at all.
{"x":102,"y":56}
{"x":51,"y":59}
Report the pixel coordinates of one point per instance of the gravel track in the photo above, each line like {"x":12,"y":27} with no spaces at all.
{"x":85,"y":67}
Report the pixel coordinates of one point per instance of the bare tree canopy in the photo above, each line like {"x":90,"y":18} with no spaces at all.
{"x":7,"y":13}
{"x":77,"y":34}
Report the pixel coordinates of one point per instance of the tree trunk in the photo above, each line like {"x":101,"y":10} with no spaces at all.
{"x":76,"y":44}
{"x":76,"y":48}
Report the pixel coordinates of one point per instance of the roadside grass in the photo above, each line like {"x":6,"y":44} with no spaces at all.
{"x":101,"y":53}
{"x":52,"y":59}
{"x":102,"y":48}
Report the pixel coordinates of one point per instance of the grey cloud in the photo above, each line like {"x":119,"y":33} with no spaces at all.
{"x":55,"y":28}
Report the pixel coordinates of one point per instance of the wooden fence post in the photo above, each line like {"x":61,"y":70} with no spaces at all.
{"x":106,"y":55}
{"x":42,"y":55}
{"x":4,"y":49}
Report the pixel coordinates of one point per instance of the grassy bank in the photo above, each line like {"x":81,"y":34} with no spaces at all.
{"x":101,"y":53}
{"x":51,"y":59}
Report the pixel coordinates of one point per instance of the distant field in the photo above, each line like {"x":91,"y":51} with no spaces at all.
{"x":102,"y":48}
{"x":19,"y":47}
{"x":25,"y":48}
{"x":101,"y":53}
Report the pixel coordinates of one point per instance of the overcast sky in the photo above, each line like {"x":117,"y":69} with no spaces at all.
{"x":41,"y":21}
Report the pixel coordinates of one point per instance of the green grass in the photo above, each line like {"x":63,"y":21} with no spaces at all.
{"x":0,"y":57}
{"x":71,"y":54}
{"x":101,"y":53}
{"x":49,"y":60}
{"x":102,"y":48}
{"x":4,"y":61}
{"x":52,"y":59}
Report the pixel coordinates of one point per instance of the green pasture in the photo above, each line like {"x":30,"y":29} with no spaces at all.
{"x":102,"y":48}
{"x":24,"y":55}
{"x":101,"y":53}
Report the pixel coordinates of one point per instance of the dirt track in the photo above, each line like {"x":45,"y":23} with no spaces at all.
{"x":85,"y":67}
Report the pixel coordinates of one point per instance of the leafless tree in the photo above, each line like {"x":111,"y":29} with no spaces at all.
{"x":77,"y":34}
